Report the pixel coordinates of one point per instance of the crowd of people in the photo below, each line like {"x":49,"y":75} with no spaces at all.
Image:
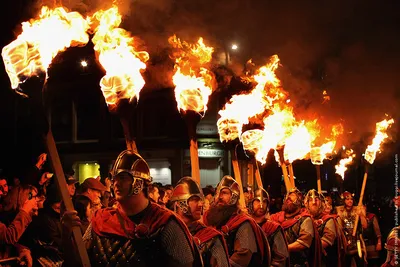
{"x":127,"y":220}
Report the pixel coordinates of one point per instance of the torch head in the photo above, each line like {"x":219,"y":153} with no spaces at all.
{"x":132,"y":163}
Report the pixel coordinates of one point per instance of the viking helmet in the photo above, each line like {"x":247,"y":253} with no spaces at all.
{"x":393,"y":240}
{"x":311,"y":196}
{"x":297,"y":192}
{"x":229,"y":183}
{"x":132,"y":163}
{"x":183,"y":191}
{"x":347,"y":195}
{"x":262,"y":195}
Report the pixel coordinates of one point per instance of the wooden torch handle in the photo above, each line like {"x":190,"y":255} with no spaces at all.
{"x":360,"y":202}
{"x":238,"y":177}
{"x":63,"y":188}
{"x":318,"y":167}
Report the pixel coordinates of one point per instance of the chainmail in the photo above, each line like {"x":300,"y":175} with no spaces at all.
{"x":246,"y":237}
{"x":180,"y":252}
{"x":87,"y":236}
{"x":218,"y":252}
{"x":279,"y":249}
{"x":174,"y":240}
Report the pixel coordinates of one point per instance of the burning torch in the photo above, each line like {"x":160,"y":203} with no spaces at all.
{"x":229,"y":136}
{"x":123,"y":65}
{"x":317,"y":160}
{"x":194,"y":84}
{"x":370,"y":155}
{"x":30,"y":55}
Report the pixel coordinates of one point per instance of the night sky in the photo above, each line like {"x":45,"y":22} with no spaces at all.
{"x":348,"y":48}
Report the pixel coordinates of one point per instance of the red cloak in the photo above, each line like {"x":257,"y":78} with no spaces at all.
{"x":262,"y":243}
{"x":316,"y":246}
{"x":341,"y":243}
{"x":110,"y":221}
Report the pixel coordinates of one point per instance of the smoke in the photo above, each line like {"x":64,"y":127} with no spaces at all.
{"x":348,"y":48}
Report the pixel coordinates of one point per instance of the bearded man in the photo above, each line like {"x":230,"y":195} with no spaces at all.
{"x":247,"y":244}
{"x":188,"y":199}
{"x":303,"y":240}
{"x":328,"y":229}
{"x":258,"y":208}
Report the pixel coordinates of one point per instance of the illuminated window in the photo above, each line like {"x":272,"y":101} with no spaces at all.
{"x":87,"y":170}
{"x":160,"y":172}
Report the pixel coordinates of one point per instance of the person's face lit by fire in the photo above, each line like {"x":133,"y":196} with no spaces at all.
{"x":155,"y":195}
{"x":71,"y":190}
{"x":314,"y":205}
{"x":260,"y":210}
{"x":292,"y":198}
{"x":122,"y":185}
{"x":348,"y":202}
{"x":224,"y":196}
{"x":3,"y":187}
{"x":195,"y":204}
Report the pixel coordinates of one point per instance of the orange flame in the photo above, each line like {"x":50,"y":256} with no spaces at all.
{"x":251,"y":140}
{"x":41,"y":40}
{"x":193,"y":82}
{"x":118,"y":56}
{"x":242,"y":107}
{"x":341,"y":167}
{"x":277,"y":127}
{"x":298,"y":145}
{"x":380,"y":136}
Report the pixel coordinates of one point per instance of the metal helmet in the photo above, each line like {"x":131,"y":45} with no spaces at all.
{"x":183,"y":191}
{"x":297,"y":192}
{"x":312,"y":195}
{"x":347,"y":195}
{"x":229,"y":183}
{"x":262,"y":195}
{"x":393,"y":240}
{"x":132,"y":163}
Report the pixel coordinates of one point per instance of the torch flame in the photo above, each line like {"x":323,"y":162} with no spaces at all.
{"x":118,"y":56}
{"x":298,"y":145}
{"x":242,"y":107}
{"x":380,"y":136}
{"x":193,"y":82}
{"x":41,"y":40}
{"x":341,"y":167}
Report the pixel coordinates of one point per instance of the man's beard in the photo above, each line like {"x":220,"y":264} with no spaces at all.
{"x":314,"y":211}
{"x":218,"y":215}
{"x":348,"y":208}
{"x":260,"y":212}
{"x":290,"y":207}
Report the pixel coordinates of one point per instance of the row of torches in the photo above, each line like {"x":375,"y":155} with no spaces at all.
{"x":56,"y":29}
{"x":267,"y":103}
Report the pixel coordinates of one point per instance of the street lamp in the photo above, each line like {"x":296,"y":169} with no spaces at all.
{"x":84,"y":63}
